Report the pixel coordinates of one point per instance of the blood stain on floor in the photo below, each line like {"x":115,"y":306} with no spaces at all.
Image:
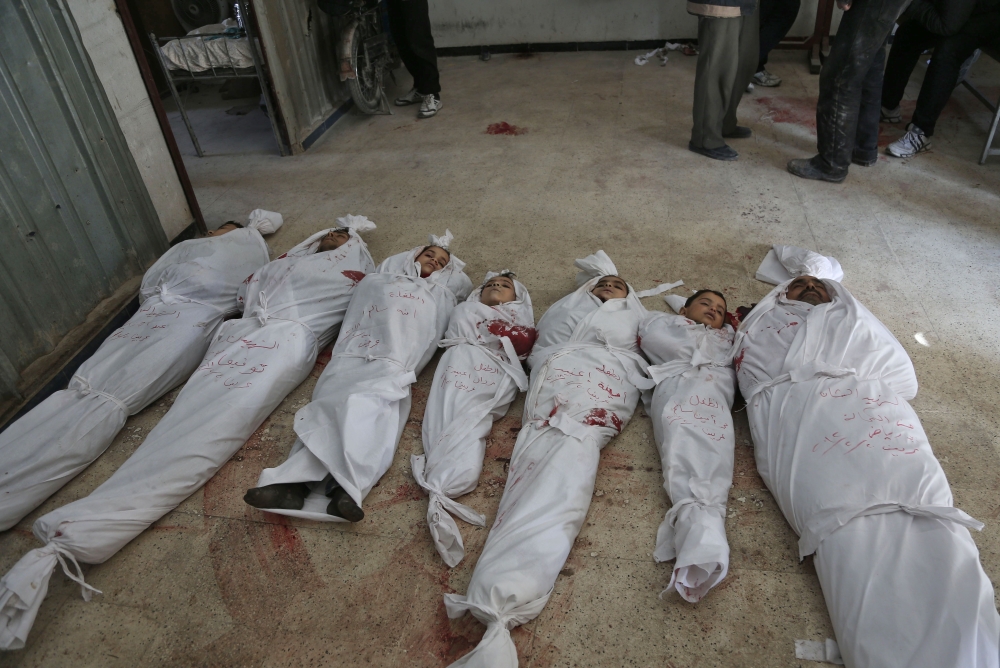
{"x":504,"y":128}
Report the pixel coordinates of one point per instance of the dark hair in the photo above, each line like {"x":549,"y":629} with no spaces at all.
{"x":435,"y":246}
{"x":231,"y":222}
{"x":690,"y":300}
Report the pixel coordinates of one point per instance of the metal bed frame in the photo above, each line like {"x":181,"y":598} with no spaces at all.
{"x":215,"y":74}
{"x":988,"y":150}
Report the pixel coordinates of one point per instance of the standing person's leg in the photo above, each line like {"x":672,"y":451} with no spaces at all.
{"x":939,"y":83}
{"x":411,"y":29}
{"x":908,"y":43}
{"x":776,"y":19}
{"x":942,"y":72}
{"x":862,"y":31}
{"x":397,"y":25}
{"x":718,"y":63}
{"x":866,"y":140}
{"x":749,"y":38}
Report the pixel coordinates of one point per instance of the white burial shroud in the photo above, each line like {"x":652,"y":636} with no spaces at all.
{"x":586,"y":379}
{"x":293,"y":308}
{"x":693,"y":429}
{"x":361,"y":402}
{"x":845,"y":456}
{"x":475,"y":382}
{"x":185,"y":296}
{"x":783,"y":263}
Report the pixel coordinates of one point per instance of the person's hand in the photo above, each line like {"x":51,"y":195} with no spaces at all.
{"x":844,"y":4}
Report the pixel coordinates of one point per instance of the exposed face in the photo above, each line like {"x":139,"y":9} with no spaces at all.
{"x":808,"y":289}
{"x":498,"y":290}
{"x":226,"y":227}
{"x":707,"y":309}
{"x":433,"y":258}
{"x":333,"y":240}
{"x":610,"y":287}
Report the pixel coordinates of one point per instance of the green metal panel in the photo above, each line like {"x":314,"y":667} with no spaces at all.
{"x":76,"y":221}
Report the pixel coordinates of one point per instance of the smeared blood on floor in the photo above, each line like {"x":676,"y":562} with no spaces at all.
{"x":504,"y":128}
{"x":522,"y":338}
{"x":795,"y":110}
{"x":260,"y":565}
{"x":353,"y":275}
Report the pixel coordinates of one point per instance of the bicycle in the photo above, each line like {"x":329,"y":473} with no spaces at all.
{"x":365,"y":52}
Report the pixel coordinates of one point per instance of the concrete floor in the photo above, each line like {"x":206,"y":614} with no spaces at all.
{"x":603,"y":164}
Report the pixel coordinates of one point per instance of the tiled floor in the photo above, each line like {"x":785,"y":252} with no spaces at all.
{"x":603,"y":164}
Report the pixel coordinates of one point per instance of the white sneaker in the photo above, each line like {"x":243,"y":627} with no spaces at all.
{"x":766,"y":79}
{"x":891,"y":115}
{"x":412,"y":97}
{"x":430,"y":106}
{"x":913,"y":142}
{"x":750,"y":87}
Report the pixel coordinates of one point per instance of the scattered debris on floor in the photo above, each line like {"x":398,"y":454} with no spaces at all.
{"x":660,"y":53}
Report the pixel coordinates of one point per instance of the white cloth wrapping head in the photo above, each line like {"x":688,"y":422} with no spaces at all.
{"x":585,"y":386}
{"x":693,"y":430}
{"x":265,"y":222}
{"x":443,"y":241}
{"x":849,"y":465}
{"x":475,"y":381}
{"x":783,"y":263}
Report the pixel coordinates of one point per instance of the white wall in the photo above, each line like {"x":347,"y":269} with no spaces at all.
{"x":107,"y":44}
{"x":484,"y":22}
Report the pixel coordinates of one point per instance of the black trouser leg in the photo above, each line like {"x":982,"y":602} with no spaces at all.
{"x":862,"y":32}
{"x":909,"y":42}
{"x":776,"y":19}
{"x":866,"y":139}
{"x":942,"y":73}
{"x":410,"y":22}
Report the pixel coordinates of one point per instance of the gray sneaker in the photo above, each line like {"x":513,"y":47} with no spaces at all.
{"x":891,"y":115}
{"x":766,"y":79}
{"x":413,"y":97}
{"x":430,"y":106}
{"x":907,"y":146}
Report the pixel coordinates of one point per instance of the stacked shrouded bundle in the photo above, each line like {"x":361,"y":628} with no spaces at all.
{"x":293,"y":307}
{"x":185,"y":297}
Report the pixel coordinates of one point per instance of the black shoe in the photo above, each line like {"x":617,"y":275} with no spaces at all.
{"x":721,"y":153}
{"x":809,"y":169}
{"x":342,"y":505}
{"x":739,"y":133}
{"x":283,"y":495}
{"x":864,"y":160}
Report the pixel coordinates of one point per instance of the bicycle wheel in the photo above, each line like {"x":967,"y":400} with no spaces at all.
{"x":366,"y":87}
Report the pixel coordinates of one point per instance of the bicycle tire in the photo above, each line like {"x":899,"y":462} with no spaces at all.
{"x":366,"y":86}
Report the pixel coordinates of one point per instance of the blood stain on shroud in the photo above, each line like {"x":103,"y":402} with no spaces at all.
{"x":521,"y":337}
{"x":354,"y":275}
